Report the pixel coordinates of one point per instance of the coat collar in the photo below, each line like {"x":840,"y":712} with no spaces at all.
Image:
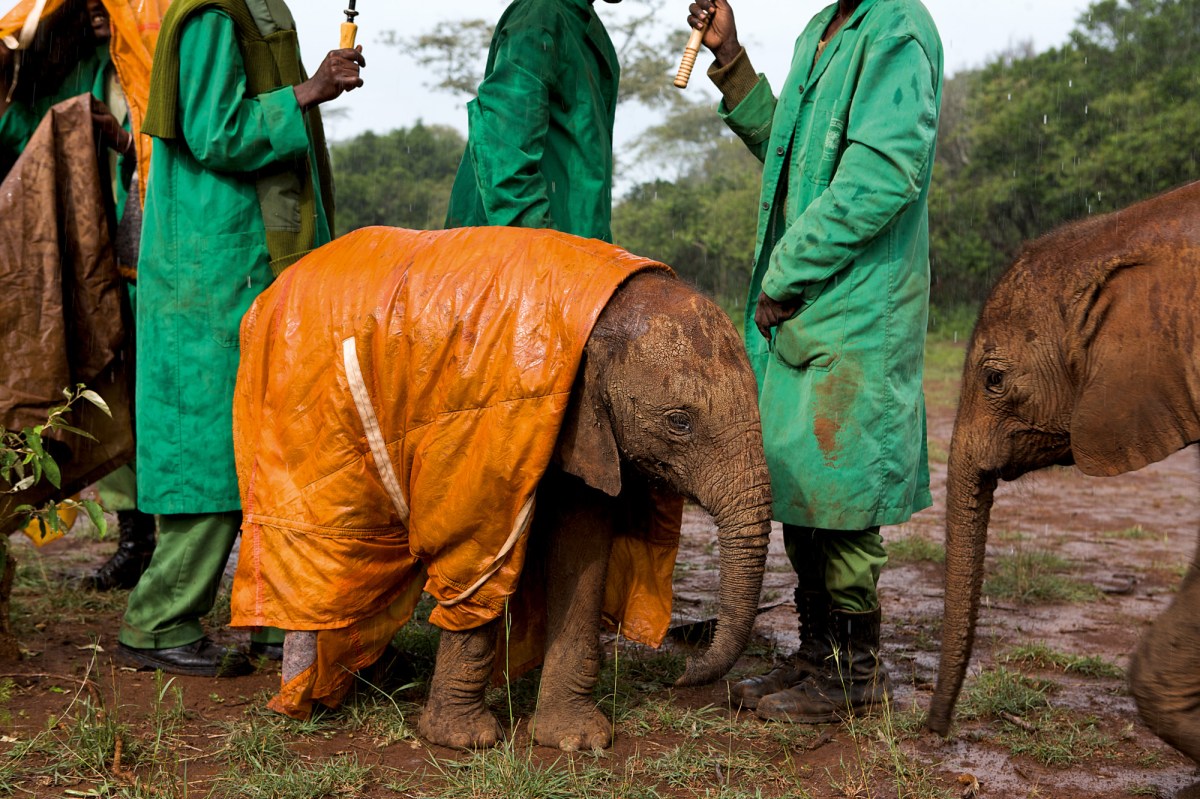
{"x":598,"y":37}
{"x":813,"y":36}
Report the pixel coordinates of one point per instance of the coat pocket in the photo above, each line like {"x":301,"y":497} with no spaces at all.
{"x":826,"y":140}
{"x":232,"y":272}
{"x":813,"y":338}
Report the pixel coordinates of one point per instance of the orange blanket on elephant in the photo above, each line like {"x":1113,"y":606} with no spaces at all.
{"x":399,"y":399}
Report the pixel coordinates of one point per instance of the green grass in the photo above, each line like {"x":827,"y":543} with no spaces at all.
{"x":1032,"y":576}
{"x":1135,"y":533}
{"x":999,"y":690}
{"x":915,"y":549}
{"x":261,"y":764}
{"x":1040,"y":656}
{"x":1060,"y":739}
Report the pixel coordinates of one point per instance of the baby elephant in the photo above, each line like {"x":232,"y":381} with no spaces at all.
{"x":504,"y":419}
{"x":1085,"y":353}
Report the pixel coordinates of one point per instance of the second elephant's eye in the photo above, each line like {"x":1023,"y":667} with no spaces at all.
{"x":993,"y":380}
{"x":679,"y":422}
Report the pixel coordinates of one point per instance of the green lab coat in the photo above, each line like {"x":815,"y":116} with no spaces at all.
{"x":539,"y":146}
{"x":20,"y":120}
{"x":848,"y":151}
{"x":203,"y":261}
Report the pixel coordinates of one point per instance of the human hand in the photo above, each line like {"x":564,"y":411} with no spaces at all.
{"x":338,"y":73}
{"x":721,"y":36}
{"x":109,"y":130}
{"x":769,"y":313}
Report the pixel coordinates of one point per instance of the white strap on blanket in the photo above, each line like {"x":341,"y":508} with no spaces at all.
{"x":25,"y":38}
{"x":523,"y":519}
{"x":387,"y":470}
{"x":366,"y":412}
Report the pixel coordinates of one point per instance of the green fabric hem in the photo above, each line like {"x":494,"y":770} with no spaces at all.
{"x":267,"y":635}
{"x":751,"y":119}
{"x":189,"y":632}
{"x":852,"y":519}
{"x":186,"y":507}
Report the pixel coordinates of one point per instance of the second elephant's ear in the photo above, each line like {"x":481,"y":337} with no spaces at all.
{"x":1138,"y":397}
{"x":587,"y":447}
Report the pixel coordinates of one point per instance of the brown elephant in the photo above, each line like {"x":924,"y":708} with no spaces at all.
{"x":1085,"y":353}
{"x":663,"y":398}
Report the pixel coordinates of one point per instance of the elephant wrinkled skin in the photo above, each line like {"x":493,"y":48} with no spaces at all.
{"x":666,"y":395}
{"x":1085,"y":353}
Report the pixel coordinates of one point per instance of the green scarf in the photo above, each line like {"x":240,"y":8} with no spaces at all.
{"x":266,"y":35}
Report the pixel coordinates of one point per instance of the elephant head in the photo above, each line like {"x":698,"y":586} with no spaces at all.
{"x":1084,"y":354}
{"x":666,"y":388}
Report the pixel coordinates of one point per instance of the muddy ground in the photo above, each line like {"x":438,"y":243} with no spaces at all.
{"x":1046,"y":711}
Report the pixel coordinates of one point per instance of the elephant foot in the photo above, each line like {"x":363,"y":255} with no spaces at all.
{"x":574,"y":727}
{"x":459,"y":727}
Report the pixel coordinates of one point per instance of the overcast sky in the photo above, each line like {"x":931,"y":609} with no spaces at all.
{"x":396,"y":95}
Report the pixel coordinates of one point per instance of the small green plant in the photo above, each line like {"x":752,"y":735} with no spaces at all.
{"x":999,"y":691}
{"x":1054,"y":737}
{"x":507,"y":770}
{"x":25,"y":461}
{"x":1036,"y":575}
{"x":1040,"y":656}
{"x":1135,"y":533}
{"x":914,"y":549}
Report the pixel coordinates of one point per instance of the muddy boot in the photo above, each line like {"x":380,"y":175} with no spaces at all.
{"x":854,"y":683}
{"x":812,"y":611}
{"x":134,"y":548}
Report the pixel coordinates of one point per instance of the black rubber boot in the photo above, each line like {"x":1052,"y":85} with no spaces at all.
{"x":812,"y":612}
{"x":854,"y":683}
{"x":135,"y":546}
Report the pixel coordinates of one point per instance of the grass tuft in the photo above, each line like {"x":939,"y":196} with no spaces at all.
{"x":1031,"y":576}
{"x":916,"y":549}
{"x":1040,"y":656}
{"x":999,"y":691}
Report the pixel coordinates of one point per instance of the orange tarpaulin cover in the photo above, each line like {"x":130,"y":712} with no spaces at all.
{"x":399,"y":399}
{"x":135,"y":25}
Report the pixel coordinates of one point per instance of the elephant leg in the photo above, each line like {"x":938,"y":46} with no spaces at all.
{"x":1164,"y":674}
{"x":455,"y":714}
{"x":579,"y":540}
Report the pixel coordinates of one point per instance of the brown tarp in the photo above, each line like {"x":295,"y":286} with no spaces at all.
{"x":61,"y":316}
{"x":135,"y":25}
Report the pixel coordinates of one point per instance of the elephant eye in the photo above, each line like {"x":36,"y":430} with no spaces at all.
{"x":993,"y":380}
{"x":679,"y":422}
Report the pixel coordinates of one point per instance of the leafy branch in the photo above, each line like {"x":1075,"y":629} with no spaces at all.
{"x":25,"y":461}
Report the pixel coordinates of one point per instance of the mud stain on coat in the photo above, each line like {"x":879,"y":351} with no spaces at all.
{"x":832,"y":395}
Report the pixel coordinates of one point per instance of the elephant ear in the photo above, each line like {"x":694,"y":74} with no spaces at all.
{"x":1138,"y":399}
{"x":587,"y":447}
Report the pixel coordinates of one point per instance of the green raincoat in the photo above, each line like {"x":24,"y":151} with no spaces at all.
{"x":203,"y":261}
{"x":848,"y":151}
{"x":539,"y":147}
{"x":20,"y":120}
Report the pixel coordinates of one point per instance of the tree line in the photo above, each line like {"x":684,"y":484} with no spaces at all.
{"x":1027,"y":142}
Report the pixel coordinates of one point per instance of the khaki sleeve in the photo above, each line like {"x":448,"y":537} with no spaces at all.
{"x":735,"y":79}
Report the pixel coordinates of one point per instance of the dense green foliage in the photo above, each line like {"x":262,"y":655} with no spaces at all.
{"x":1031,"y":141}
{"x":1027,"y":142}
{"x":401,"y":178}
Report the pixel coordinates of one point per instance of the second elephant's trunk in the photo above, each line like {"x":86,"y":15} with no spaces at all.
{"x":969,"y":494}
{"x":743,"y":528}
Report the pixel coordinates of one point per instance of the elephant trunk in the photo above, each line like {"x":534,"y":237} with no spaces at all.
{"x":743,"y":519}
{"x":969,"y":494}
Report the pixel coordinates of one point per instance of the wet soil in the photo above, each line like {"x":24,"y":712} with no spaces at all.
{"x":1128,"y":536}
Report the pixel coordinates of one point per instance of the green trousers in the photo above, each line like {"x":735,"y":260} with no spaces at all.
{"x":846,"y":563}
{"x":118,"y":490}
{"x":180,"y":586}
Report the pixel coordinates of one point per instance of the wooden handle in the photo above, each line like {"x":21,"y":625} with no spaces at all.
{"x":349,"y":32}
{"x":689,"y":57}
